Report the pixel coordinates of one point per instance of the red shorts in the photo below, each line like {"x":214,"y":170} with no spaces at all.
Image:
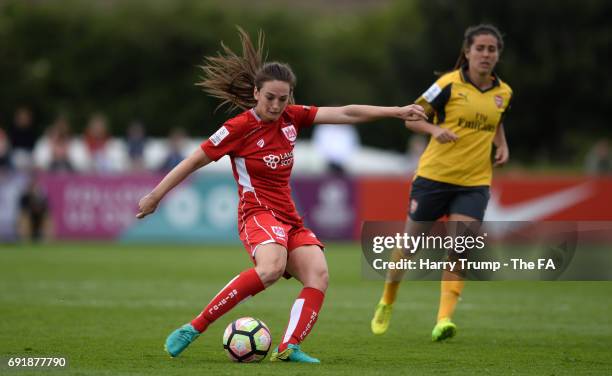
{"x":264,"y":228}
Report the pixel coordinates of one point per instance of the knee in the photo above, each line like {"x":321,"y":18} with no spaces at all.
{"x":271,"y":271}
{"x":324,"y":278}
{"x":319,"y":279}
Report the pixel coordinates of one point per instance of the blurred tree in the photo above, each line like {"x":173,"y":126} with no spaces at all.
{"x":139,"y":59}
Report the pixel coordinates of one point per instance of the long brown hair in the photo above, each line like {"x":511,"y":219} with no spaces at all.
{"x":232,"y":78}
{"x":468,"y":39}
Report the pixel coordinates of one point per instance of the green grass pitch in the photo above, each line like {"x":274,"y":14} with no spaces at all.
{"x":109,"y":308}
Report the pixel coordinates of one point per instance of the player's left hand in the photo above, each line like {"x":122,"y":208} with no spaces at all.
{"x":502,"y":154}
{"x":412,"y":112}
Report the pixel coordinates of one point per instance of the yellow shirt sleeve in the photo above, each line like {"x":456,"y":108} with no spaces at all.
{"x":434,"y":99}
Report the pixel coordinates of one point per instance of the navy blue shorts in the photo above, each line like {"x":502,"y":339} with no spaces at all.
{"x":431,"y":200}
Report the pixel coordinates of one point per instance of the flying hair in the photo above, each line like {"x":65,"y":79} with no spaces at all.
{"x":232,"y":78}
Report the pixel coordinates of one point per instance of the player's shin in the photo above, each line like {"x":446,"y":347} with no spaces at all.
{"x":450,"y":291}
{"x":393,"y":280}
{"x":304,"y":314}
{"x":244,"y":285}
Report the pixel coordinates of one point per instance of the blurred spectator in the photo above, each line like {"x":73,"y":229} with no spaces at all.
{"x":59,"y":143}
{"x":176,"y":140}
{"x":5,"y":152}
{"x":599,"y":159}
{"x":415,"y":147}
{"x":336,"y":143}
{"x":96,"y":140}
{"x":136,"y":141}
{"x":23,"y":138}
{"x":34,"y":223}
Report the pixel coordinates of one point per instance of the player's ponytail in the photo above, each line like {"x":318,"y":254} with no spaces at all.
{"x":468,"y":40}
{"x":232,"y":78}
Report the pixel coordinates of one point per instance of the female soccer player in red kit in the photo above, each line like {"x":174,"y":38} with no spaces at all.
{"x":260,"y":143}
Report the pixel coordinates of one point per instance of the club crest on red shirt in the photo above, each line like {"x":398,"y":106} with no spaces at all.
{"x":499,"y":101}
{"x":278,"y":231}
{"x":290,"y":133}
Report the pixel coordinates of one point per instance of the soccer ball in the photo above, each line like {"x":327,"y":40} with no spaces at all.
{"x":247,"y":340}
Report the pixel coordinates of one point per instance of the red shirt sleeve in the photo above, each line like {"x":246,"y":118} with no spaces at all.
{"x":225,"y":141}
{"x":302,"y":115}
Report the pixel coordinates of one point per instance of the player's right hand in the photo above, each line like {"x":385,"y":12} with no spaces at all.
{"x":444,"y":136}
{"x":147,"y":205}
{"x":412,"y":112}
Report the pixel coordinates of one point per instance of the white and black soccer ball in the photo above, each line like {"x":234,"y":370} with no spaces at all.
{"x":247,"y":340}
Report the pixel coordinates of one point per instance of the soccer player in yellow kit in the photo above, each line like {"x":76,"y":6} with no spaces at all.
{"x":467,"y":106}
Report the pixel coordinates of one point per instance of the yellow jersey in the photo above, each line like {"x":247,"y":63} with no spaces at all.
{"x":472,"y":114}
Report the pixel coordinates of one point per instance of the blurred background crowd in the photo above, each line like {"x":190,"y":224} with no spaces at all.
{"x":56,"y":148}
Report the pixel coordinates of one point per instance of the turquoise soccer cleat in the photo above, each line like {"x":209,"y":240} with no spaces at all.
{"x":292,"y":353}
{"x":179,"y":339}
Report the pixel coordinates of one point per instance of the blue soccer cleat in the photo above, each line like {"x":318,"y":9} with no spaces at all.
{"x":179,"y":339}
{"x":292,"y":353}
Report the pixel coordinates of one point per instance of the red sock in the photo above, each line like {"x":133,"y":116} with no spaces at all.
{"x":244,"y":285}
{"x":304,"y":314}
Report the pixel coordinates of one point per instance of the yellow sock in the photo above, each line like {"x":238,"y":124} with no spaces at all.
{"x":390,"y":292}
{"x":393,"y":282}
{"x":450,"y":291}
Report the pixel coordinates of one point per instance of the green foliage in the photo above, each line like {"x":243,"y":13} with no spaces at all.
{"x":139,"y":60}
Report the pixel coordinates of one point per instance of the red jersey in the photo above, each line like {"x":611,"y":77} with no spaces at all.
{"x":262,"y":159}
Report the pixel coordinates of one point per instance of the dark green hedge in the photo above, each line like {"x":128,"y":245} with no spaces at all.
{"x":138,"y":60}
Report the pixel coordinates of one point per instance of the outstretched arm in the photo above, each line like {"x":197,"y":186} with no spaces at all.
{"x":356,"y":113}
{"x":149,"y":202}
